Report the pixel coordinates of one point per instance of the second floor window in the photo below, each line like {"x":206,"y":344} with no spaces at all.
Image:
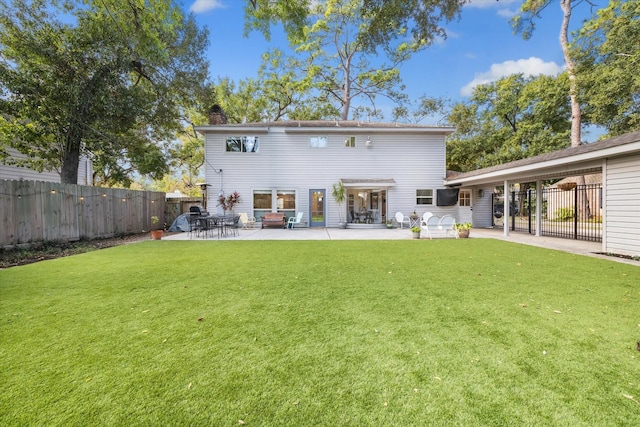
{"x":318,"y":142}
{"x":350,"y":141}
{"x":242,"y":144}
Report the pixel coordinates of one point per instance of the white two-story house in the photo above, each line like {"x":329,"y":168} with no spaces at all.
{"x":292,"y":166}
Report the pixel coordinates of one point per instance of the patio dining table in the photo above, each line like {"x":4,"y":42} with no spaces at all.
{"x":223,"y":225}
{"x":365,"y":217}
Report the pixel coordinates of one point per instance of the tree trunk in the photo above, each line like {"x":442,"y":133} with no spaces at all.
{"x":583,"y":208}
{"x":576,"y":113}
{"x":69,"y":173}
{"x":70,"y":161}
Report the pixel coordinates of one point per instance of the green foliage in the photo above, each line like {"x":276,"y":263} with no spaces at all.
{"x":340,"y":67}
{"x":106,"y":79}
{"x":563,"y":214}
{"x":463,"y":226}
{"x":607,"y":51}
{"x":372,"y":340}
{"x":339,"y":196}
{"x":387,"y":20}
{"x":511,"y":119}
{"x":347,"y":50}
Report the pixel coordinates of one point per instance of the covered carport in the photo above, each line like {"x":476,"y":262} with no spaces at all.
{"x":618,"y":159}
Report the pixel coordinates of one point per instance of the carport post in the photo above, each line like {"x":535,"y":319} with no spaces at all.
{"x":539,"y":208}
{"x":506,"y":209}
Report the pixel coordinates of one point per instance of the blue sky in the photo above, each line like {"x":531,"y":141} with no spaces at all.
{"x":480,"y":48}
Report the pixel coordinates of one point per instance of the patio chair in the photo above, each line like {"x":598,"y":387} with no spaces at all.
{"x":400,"y":219}
{"x":431,"y":226}
{"x":448,"y":226}
{"x":232,"y":224}
{"x":425,"y":217}
{"x":247,"y":221}
{"x":295,"y":220}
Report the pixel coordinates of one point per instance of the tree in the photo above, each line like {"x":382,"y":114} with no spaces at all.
{"x":279,"y":92}
{"x":111,"y":84}
{"x":525,"y":23}
{"x":607,"y":52}
{"x":340,"y":41}
{"x":339,"y":65}
{"x":288,"y":93}
{"x":421,"y":18}
{"x":419,"y":110}
{"x":511,"y":119}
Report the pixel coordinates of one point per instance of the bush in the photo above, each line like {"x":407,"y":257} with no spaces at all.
{"x":563,"y":214}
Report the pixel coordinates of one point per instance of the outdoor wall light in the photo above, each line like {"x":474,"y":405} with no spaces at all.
{"x":368,"y":142}
{"x":480,"y":193}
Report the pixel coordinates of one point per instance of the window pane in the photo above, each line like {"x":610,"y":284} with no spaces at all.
{"x":234,"y":144}
{"x":286,"y":199}
{"x":262,"y":200}
{"x":250,"y":144}
{"x":318,"y":142}
{"x":464,"y":198}
{"x":424,"y":197}
{"x":242,"y":144}
{"x":350,"y":141}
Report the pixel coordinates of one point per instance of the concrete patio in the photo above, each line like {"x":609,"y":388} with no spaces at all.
{"x":567,"y":245}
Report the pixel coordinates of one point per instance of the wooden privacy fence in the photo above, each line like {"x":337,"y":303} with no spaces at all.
{"x":177,"y":206}
{"x":35,"y":211}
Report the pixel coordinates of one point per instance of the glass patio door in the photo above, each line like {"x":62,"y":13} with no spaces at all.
{"x":317,"y":208}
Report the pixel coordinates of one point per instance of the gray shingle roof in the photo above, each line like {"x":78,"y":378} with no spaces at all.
{"x":346,"y":124}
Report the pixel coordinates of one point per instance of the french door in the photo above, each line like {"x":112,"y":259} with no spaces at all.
{"x":317,"y":208}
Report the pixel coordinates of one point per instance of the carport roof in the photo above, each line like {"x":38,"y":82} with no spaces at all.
{"x":584,"y":159}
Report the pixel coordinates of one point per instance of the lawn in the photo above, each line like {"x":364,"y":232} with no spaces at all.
{"x":330,"y":333}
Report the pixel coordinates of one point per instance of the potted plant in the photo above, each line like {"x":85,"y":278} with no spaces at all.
{"x":463,"y":229}
{"x":155,"y":234}
{"x":339,"y":196}
{"x":389,"y":224}
{"x":227,"y":203}
{"x":416,"y":231}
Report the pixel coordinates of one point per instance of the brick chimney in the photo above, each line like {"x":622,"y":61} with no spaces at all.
{"x":217,"y":116}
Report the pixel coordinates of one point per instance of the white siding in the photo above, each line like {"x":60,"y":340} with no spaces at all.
{"x":17,"y":173}
{"x":285,"y":161}
{"x":482,"y":207}
{"x":85,"y":171}
{"x":622,"y":216}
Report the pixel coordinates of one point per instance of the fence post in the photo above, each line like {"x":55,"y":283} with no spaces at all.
{"x":576,"y":209}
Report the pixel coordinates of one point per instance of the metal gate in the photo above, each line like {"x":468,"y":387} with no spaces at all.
{"x":573,"y":212}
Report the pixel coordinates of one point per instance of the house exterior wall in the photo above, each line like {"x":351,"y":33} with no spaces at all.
{"x":286,"y":161}
{"x":622,"y":222}
{"x":482,"y":207}
{"x":10,"y":172}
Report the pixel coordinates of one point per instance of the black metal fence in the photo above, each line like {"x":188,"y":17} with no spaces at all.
{"x":573,"y":212}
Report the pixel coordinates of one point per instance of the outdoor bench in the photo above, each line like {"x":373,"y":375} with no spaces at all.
{"x":276,"y":219}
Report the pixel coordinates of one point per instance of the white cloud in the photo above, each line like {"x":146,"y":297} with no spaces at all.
{"x":486,"y":4}
{"x":529,"y":67}
{"x":201,"y":6}
{"x":503,"y":6}
{"x":507,"y":13}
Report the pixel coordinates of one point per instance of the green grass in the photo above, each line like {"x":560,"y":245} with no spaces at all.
{"x":329,"y":333}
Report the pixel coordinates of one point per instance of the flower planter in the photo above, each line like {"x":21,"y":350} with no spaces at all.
{"x":416,"y":235}
{"x":156,"y":234}
{"x":463,"y":234}
{"x":567,"y":186}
